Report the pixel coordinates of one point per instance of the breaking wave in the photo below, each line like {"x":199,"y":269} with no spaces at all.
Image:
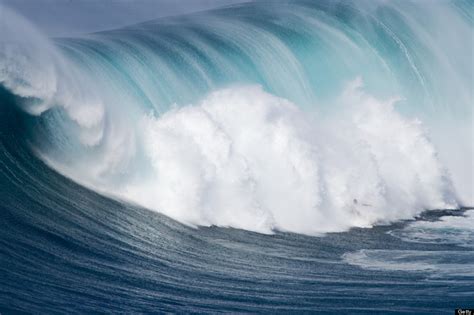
{"x":302,"y":117}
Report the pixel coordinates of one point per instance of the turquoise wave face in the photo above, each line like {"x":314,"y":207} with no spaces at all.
{"x":305,"y":52}
{"x":345,"y":103}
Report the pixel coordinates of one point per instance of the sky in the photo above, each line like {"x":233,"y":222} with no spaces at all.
{"x":69,"y":17}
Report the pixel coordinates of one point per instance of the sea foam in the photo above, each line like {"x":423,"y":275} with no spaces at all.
{"x":247,"y":159}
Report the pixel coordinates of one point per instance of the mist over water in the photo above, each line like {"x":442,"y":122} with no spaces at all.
{"x":302,"y":117}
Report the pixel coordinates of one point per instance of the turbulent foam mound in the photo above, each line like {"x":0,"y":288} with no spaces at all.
{"x":275,"y":138}
{"x":247,"y":159}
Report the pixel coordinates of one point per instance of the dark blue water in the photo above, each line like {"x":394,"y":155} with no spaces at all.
{"x":65,"y":249}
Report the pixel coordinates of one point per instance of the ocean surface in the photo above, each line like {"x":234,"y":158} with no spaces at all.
{"x":300,"y":156}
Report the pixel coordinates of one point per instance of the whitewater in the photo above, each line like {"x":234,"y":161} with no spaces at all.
{"x":306,"y":118}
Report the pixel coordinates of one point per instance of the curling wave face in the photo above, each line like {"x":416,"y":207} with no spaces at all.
{"x":300,"y":117}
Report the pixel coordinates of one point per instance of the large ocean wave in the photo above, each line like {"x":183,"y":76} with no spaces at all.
{"x":294,"y":116}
